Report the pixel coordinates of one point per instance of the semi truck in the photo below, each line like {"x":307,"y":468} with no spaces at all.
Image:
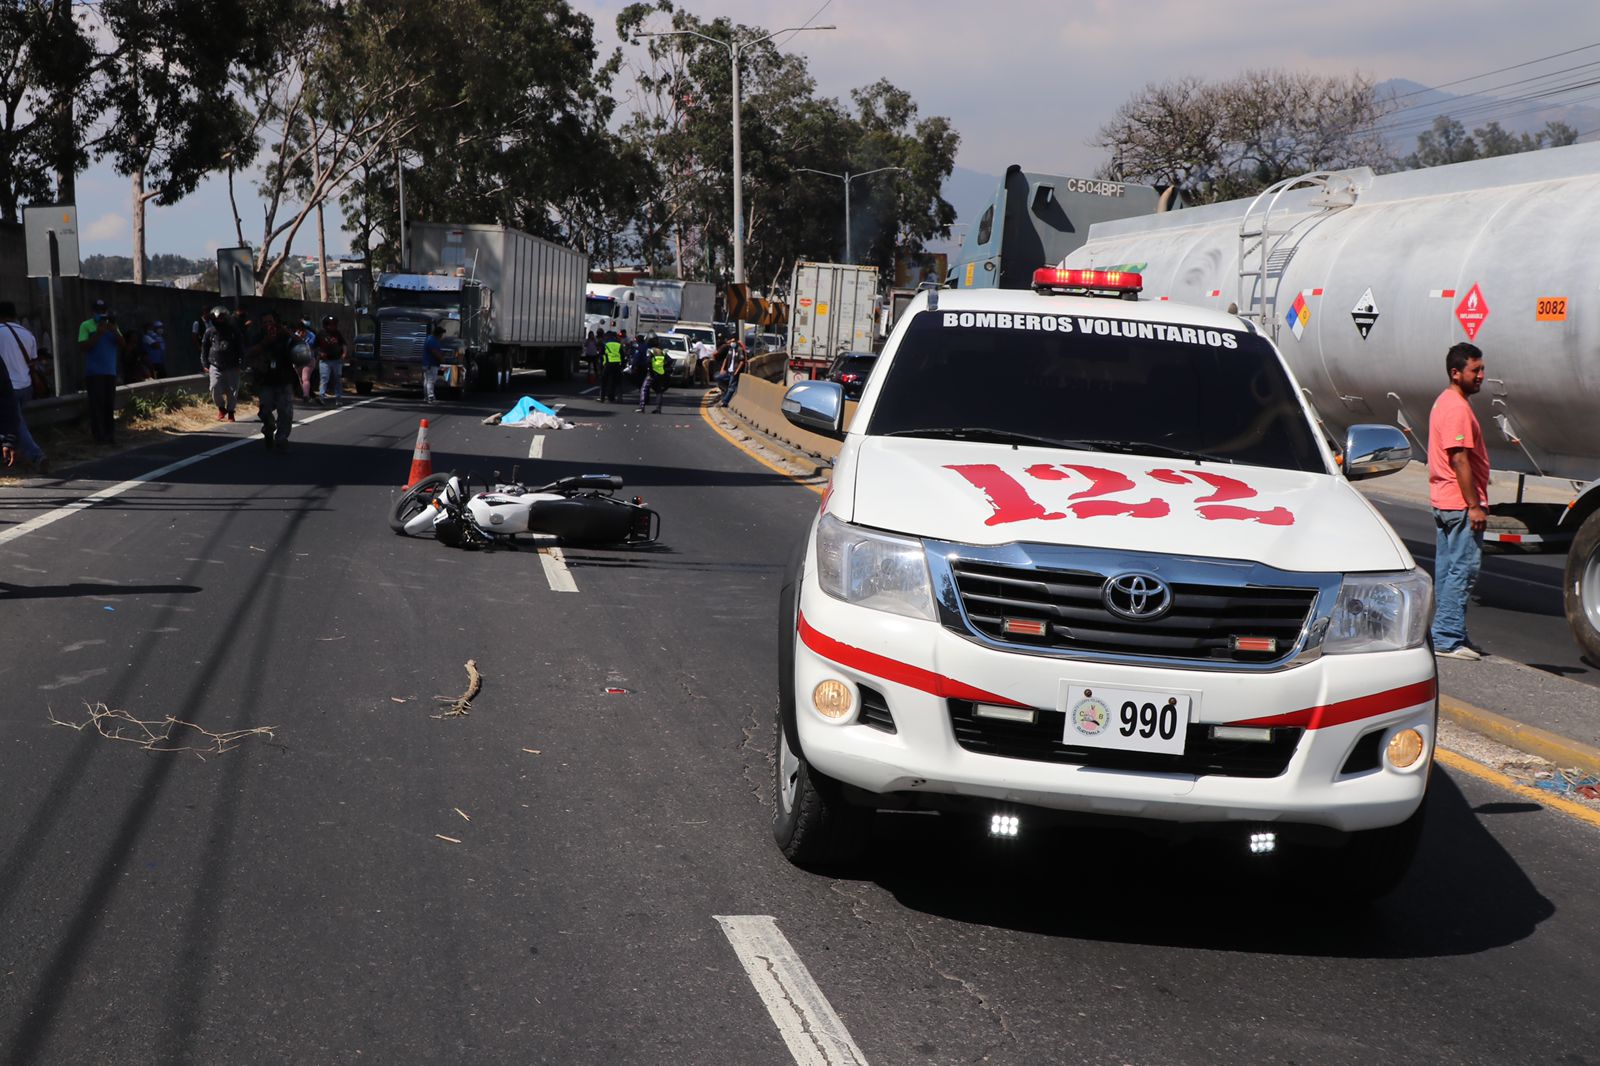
{"x":831,"y":308}
{"x":1035,"y":220}
{"x":506,"y":299}
{"x":649,"y":305}
{"x":1366,"y":280}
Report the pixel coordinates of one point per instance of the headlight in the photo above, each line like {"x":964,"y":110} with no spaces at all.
{"x":1380,"y":612}
{"x":872,"y":569}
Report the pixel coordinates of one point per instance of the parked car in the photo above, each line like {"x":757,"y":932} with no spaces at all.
{"x":851,"y":370}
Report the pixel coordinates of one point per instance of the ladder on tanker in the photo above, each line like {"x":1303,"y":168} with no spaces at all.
{"x":1267,"y":241}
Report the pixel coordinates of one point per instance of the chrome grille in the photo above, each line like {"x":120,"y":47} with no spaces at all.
{"x":1200,"y":626}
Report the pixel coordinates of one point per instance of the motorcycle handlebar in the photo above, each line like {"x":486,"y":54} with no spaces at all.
{"x":582,"y":482}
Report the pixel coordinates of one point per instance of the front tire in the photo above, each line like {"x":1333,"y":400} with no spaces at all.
{"x":811,"y":820}
{"x":1368,"y":865}
{"x":417,"y":498}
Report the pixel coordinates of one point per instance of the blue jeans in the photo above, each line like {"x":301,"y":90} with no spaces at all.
{"x":730,"y":385}
{"x":25,"y":443}
{"x":1458,"y":553}
{"x":332,"y":370}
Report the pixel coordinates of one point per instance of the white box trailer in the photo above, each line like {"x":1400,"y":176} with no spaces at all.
{"x":664,"y":302}
{"x":830,"y":312}
{"x":536,"y":290}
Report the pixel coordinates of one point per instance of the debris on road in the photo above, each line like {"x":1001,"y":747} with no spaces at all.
{"x":167,"y":734}
{"x":533,"y":751}
{"x":462,"y":704}
{"x":448,"y":840}
{"x":397,"y":699}
{"x":461,"y":812}
{"x":1568,"y":782}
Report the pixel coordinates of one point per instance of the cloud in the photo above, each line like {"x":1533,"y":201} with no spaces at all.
{"x":108,"y":227}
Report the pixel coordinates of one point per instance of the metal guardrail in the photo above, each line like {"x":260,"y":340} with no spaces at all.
{"x":58,"y":410}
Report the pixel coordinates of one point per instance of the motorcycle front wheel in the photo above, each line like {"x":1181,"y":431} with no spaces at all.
{"x":418,"y":497}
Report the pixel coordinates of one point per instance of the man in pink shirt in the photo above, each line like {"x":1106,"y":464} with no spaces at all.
{"x":1458,"y":488}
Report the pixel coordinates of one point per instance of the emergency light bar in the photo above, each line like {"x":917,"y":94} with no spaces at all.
{"x":1118,"y":281}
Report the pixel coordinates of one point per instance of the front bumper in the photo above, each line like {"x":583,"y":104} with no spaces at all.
{"x":928,"y":676}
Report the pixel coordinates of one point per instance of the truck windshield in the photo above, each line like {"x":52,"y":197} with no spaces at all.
{"x":444,"y":301}
{"x":1109,"y":383}
{"x":600,"y":305}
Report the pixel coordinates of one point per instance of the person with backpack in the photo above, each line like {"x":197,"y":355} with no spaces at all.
{"x":331,"y":354}
{"x":221,"y":356}
{"x":302,"y":349}
{"x":656,"y":371}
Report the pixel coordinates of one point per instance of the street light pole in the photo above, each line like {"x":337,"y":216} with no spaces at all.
{"x":734,"y":47}
{"x":847,"y":178}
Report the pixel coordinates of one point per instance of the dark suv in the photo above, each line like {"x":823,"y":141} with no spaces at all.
{"x":851,"y":370}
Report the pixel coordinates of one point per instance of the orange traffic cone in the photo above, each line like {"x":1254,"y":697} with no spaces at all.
{"x":422,"y":458}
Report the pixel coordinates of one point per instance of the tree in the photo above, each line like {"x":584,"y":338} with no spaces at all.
{"x":48,"y":65}
{"x":1221,"y":140}
{"x":1446,"y":142}
{"x":163,"y":85}
{"x":681,"y":124}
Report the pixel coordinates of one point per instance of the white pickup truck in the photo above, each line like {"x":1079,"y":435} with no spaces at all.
{"x":1086,"y":556}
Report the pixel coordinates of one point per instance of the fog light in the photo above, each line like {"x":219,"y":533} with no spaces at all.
{"x":832,"y":699}
{"x":1263,"y":843}
{"x":1405,"y":748}
{"x":1004,"y":825}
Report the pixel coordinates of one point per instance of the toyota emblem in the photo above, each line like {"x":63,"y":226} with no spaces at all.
{"x":1137,"y":597}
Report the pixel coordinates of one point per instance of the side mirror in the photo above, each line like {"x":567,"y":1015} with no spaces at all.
{"x":1374,"y":450}
{"x":817,"y":406}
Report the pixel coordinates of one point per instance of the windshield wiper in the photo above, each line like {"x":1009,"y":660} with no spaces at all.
{"x":1134,"y":447}
{"x":990,"y":435}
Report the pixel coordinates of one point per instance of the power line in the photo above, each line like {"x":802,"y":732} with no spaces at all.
{"x":1490,"y":106}
{"x":814,"y":16}
{"x":1487,"y":73}
{"x":1505,"y":85}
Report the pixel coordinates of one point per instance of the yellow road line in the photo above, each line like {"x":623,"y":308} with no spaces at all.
{"x":705,"y":413}
{"x":1476,"y":769}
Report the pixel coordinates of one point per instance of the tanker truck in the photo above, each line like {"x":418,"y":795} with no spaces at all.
{"x":1365,"y":280}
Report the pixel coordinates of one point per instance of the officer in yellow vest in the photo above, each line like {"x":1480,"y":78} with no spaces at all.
{"x":611,"y":367}
{"x":658,"y":371}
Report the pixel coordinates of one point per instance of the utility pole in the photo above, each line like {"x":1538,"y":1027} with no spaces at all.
{"x":735,"y":47}
{"x":847,"y":178}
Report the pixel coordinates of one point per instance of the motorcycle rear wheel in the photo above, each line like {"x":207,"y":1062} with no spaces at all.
{"x":417,"y":498}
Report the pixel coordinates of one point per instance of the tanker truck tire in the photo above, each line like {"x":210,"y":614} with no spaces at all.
{"x":1581,"y":589}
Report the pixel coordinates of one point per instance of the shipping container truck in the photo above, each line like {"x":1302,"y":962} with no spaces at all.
{"x":664,"y":302}
{"x":507,"y":300}
{"x":831,"y":311}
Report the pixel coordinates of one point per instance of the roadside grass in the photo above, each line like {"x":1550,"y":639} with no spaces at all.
{"x":145,"y":420}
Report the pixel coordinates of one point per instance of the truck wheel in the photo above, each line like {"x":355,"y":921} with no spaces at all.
{"x":811,"y":821}
{"x":1368,"y":866}
{"x":1581,"y":590}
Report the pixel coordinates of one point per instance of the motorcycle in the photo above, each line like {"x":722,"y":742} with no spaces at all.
{"x":576,"y":510}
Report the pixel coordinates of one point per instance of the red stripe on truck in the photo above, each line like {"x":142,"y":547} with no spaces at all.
{"x":1346,"y":711}
{"x":894,"y":670}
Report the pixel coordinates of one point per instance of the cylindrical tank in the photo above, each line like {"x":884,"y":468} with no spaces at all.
{"x":1504,"y":252}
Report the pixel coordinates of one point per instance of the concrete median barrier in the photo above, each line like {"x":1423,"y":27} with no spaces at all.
{"x":759,"y":403}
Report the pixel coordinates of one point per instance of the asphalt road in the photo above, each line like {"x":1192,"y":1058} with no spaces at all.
{"x":293,"y":900}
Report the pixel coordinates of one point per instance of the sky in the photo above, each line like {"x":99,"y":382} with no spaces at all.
{"x":1025,"y":81}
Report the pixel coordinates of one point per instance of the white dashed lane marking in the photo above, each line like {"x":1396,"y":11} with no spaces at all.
{"x":555,"y":570}
{"x":536,"y":447}
{"x":805,"y":1020}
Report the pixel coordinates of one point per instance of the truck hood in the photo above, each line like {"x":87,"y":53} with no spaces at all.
{"x":996,"y":494}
